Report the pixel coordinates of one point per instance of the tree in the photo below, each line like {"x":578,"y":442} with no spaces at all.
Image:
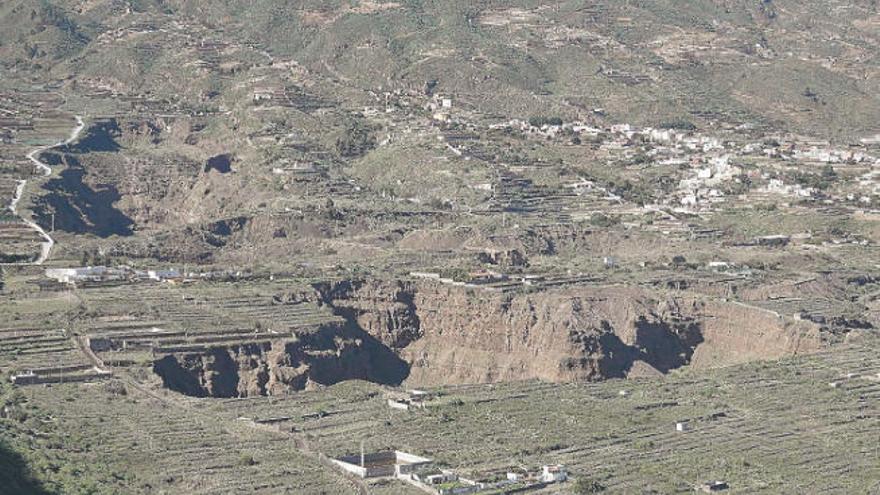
{"x":354,"y":141}
{"x":541,"y":121}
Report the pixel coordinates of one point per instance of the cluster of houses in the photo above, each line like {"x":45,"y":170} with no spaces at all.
{"x":97,"y":274}
{"x":438,"y":106}
{"x":424,"y":474}
{"x":704,"y":186}
{"x":717,"y":164}
{"x":709,"y":158}
{"x":446,"y":482}
{"x":718,"y":167}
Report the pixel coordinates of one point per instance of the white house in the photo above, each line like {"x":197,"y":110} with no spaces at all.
{"x":68,"y":275}
{"x":169,"y":274}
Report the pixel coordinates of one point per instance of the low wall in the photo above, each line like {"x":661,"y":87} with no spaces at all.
{"x":365,"y":472}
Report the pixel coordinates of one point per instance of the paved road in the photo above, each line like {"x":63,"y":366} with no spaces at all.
{"x":48,"y":242}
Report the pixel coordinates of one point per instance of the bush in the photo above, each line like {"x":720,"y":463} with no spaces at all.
{"x":681,"y":125}
{"x":355,"y":141}
{"x":602,"y":220}
{"x":540,"y":121}
{"x":586,"y":486}
{"x":116,"y":388}
{"x":821,"y":181}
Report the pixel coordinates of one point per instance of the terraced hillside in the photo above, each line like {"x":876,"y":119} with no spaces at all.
{"x":233,"y":231}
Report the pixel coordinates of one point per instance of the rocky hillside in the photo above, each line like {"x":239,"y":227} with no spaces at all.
{"x":796,"y":62}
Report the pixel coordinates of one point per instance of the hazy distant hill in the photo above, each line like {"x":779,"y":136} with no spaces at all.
{"x":809,"y":65}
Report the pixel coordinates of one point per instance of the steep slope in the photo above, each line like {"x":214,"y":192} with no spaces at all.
{"x":330,"y":355}
{"x":455,"y":335}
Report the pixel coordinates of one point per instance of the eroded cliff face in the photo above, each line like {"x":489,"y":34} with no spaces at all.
{"x":430,"y":334}
{"x":386,"y":310}
{"x":331,"y":355}
{"x":451,"y":335}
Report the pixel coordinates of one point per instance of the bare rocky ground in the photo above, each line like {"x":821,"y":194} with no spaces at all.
{"x":525,"y":209}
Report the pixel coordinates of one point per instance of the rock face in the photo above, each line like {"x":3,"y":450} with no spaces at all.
{"x":451,"y":335}
{"x":429,"y":334}
{"x":385,"y":310}
{"x":331,"y":355}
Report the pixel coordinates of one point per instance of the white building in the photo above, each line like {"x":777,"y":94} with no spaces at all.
{"x":69,"y":275}
{"x":170,"y":274}
{"x":554,"y":474}
{"x":440,"y":478}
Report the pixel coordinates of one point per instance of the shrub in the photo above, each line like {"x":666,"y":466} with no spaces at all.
{"x":602,"y":220}
{"x":355,"y":141}
{"x":541,"y":121}
{"x":586,"y":486}
{"x":681,"y":125}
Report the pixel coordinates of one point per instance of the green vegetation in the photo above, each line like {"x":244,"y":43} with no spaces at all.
{"x":354,"y":141}
{"x":39,"y":465}
{"x":540,"y":121}
{"x":348,"y":166}
{"x":586,"y":486}
{"x":821,"y":181}
{"x":604,"y":221}
{"x":15,"y":476}
{"x":680,"y":125}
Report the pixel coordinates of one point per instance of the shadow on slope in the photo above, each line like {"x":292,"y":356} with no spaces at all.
{"x":14,"y":476}
{"x":332,"y":354}
{"x":78,"y":207}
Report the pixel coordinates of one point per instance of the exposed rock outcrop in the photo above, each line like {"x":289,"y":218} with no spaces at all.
{"x":454,"y":335}
{"x":328,"y":356}
{"x":385,"y":310}
{"x":433,"y":334}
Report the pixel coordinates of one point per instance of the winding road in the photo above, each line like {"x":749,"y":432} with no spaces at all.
{"x":48,"y":243}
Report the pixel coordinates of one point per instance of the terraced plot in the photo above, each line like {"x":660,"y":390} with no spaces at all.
{"x":748,"y":425}
{"x":180,"y":449}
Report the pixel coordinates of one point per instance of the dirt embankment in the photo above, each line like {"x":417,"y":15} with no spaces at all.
{"x":453,"y":335}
